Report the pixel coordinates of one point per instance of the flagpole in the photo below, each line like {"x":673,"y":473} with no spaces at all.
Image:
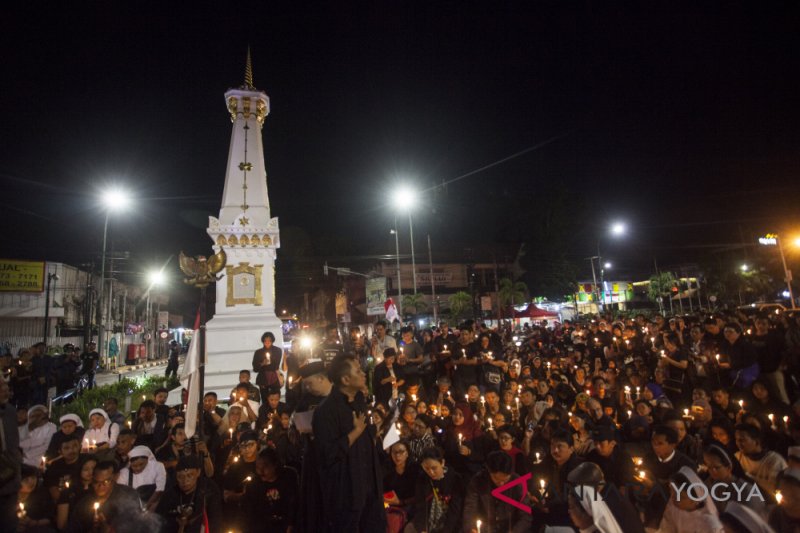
{"x":200,"y":273}
{"x":201,"y":376}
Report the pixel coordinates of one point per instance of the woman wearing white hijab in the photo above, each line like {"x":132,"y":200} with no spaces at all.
{"x":589,"y":512}
{"x":37,"y":436}
{"x":102,"y":432}
{"x":144,"y":474}
{"x":740,"y":519}
{"x":684,"y":514}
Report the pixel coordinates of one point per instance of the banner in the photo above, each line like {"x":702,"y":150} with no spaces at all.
{"x":376,"y":296}
{"x":21,"y":276}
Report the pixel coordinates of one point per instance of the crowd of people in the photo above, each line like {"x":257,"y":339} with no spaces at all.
{"x":608,"y":424}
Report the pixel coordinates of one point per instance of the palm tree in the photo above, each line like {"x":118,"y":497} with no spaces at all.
{"x":512,"y":292}
{"x":414,"y":301}
{"x":460,"y":302}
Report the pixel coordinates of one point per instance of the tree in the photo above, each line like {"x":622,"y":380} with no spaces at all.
{"x":661,"y":285}
{"x":414,"y":301}
{"x":460,"y":303}
{"x":511,"y":292}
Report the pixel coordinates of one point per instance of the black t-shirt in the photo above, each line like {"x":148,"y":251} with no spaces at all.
{"x":271,"y":505}
{"x":328,"y":351}
{"x":237,"y":473}
{"x":60,"y":472}
{"x":89,"y":362}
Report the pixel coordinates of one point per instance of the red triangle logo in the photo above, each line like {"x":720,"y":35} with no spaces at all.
{"x":498,"y":492}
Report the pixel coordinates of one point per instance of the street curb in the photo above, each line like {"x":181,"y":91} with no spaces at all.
{"x":131,"y":368}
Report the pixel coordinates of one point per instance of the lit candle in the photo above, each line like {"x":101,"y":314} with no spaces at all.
{"x":144,"y":397}
{"x":44,"y":462}
{"x":129,"y":424}
{"x":642,"y":474}
{"x":717,"y":358}
{"x":569,"y":413}
{"x":21,"y":513}
{"x":86,"y":443}
{"x":460,"y":439}
{"x":236,"y":459}
{"x":290,"y":381}
{"x":778,"y":497}
{"x":741,"y":404}
{"x":66,"y":485}
{"x":466,"y":397}
{"x":96,"y":508}
{"x":637,"y":461}
{"x":483,"y":401}
{"x":516,"y":400}
{"x":230,"y":433}
{"x":686,"y":413}
{"x":478,"y":525}
{"x":542,"y":486}
{"x":637,"y":392}
{"x":786,"y":420}
{"x":248,"y":479}
{"x":445,"y":348}
{"x":490,"y":423}
{"x":629,"y":413}
{"x":413,"y":397}
{"x":538,"y":460}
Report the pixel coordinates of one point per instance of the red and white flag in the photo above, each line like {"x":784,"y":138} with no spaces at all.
{"x":190,"y":379}
{"x":391,"y":311}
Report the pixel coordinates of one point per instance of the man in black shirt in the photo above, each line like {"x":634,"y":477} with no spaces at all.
{"x":769,"y":346}
{"x":107,"y":505}
{"x":89,"y":360}
{"x":66,"y":469}
{"x":193,"y":498}
{"x":270,"y":499}
{"x":330,"y":347}
{"x":347,"y":460}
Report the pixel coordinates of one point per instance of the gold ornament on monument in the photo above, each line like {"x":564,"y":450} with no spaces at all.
{"x":201,"y":271}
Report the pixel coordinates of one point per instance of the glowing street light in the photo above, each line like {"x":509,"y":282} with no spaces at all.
{"x":607,"y":265}
{"x":744,"y":268}
{"x":618,"y":229}
{"x":772,"y":239}
{"x":112,"y":200}
{"x":404,"y":200}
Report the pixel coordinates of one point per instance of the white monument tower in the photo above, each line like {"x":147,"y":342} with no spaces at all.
{"x":249,"y":235}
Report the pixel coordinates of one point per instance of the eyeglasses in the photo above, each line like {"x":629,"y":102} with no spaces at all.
{"x":247,"y":443}
{"x":102,"y":482}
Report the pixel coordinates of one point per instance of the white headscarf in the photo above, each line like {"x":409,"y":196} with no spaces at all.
{"x":594,"y":505}
{"x":38,"y":407}
{"x":153,"y":473}
{"x":695,"y":480}
{"x":748,"y":518}
{"x":71,"y":418}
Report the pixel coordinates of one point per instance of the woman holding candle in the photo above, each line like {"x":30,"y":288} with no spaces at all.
{"x":720,"y":469}
{"x":464,"y":443}
{"x":72,"y":491}
{"x":37,"y":507}
{"x":102,"y":432}
{"x":399,"y":483}
{"x":438,"y":496}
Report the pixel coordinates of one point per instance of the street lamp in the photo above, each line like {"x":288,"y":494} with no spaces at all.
{"x":744,"y":268}
{"x":156,"y":278}
{"x":772,"y":239}
{"x":118,"y":200}
{"x":617,"y":229}
{"x":404,"y":200}
{"x":397,"y":255}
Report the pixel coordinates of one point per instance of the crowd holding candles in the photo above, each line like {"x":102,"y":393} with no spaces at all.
{"x":638,"y":412}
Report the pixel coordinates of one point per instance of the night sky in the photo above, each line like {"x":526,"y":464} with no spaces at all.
{"x":681,"y":119}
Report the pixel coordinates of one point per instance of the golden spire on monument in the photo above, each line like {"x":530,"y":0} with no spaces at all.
{"x":248,"y":72}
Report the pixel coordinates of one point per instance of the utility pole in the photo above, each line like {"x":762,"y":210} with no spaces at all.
{"x":433,"y":283}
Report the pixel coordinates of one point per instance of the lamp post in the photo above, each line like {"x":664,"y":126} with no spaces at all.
{"x":111,"y":199}
{"x":156,"y":278}
{"x":50,"y":278}
{"x":404,"y":199}
{"x":617,"y":229}
{"x":397,"y":255}
{"x":772,"y":239}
